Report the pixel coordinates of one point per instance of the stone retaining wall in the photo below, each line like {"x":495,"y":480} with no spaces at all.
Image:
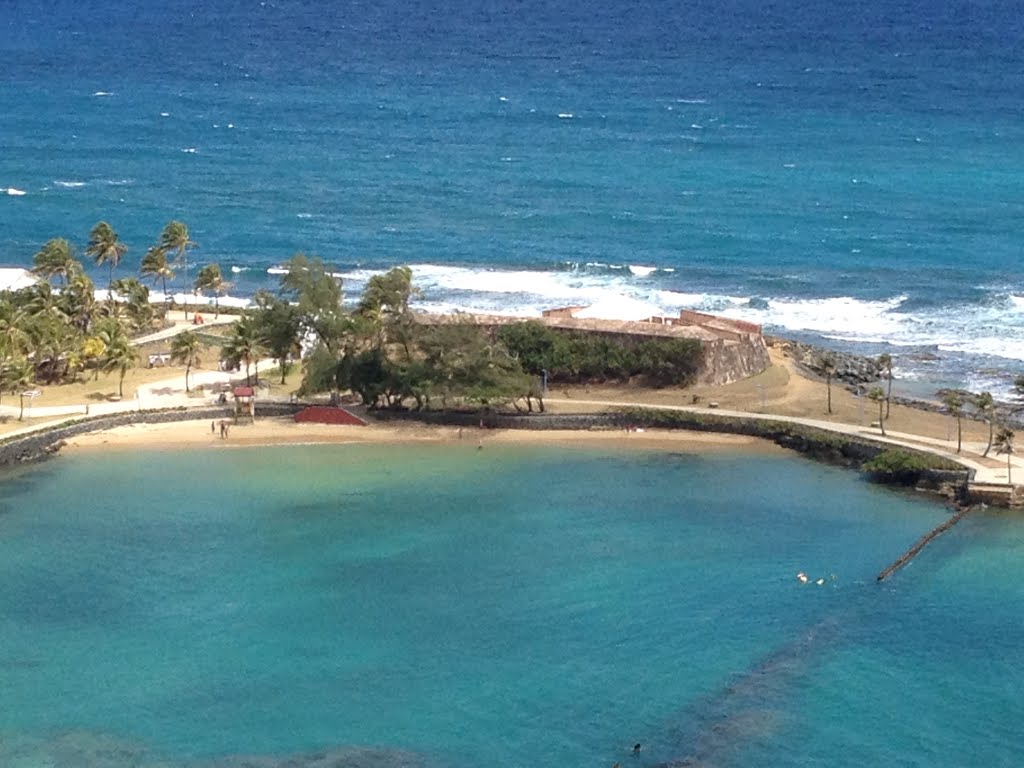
{"x":39,"y":445}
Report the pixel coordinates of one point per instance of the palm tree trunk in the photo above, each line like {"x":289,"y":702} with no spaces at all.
{"x":828,"y":388}
{"x":284,"y":368}
{"x":21,"y":414}
{"x":959,"y":434}
{"x":881,"y":420}
{"x":256,"y":364}
{"x":120,"y":382}
{"x":188,"y":368}
{"x":888,"y":393}
{"x":991,"y":431}
{"x":216,"y":307}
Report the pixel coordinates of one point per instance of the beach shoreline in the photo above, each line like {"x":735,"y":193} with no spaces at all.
{"x":202,"y":434}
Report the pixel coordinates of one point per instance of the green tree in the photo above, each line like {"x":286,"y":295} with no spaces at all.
{"x":885,"y":363}
{"x":137,"y":306}
{"x":954,"y":403}
{"x":828,"y":367}
{"x":279,"y":325}
{"x":210,"y":279}
{"x":540,"y":349}
{"x":1003,"y":443}
{"x":175,"y":239}
{"x":56,"y":259}
{"x":185,"y":349}
{"x":985,"y":404}
{"x":316,"y":294}
{"x":244,"y":346}
{"x":877,"y":394}
{"x":105,"y":247}
{"x":385,"y":305}
{"x":78,"y":300}
{"x":156,"y":267}
{"x":120,"y":355}
{"x":15,"y":375}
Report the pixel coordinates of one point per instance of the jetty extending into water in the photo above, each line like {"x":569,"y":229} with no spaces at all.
{"x":921,"y":543}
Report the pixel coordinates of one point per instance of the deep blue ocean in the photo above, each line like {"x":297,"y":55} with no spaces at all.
{"x":443,"y":607}
{"x":841,"y":172}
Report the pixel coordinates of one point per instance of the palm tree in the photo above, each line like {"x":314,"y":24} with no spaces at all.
{"x":120,"y":354}
{"x":210,"y":279}
{"x":1004,"y":444}
{"x":105,"y":248}
{"x":154,"y":265}
{"x":986,"y":406}
{"x":954,"y":403}
{"x":244,"y":345}
{"x":175,"y":239}
{"x":185,"y":349}
{"x":828,"y":367}
{"x":78,"y":299}
{"x":885,"y":362}
{"x":17,"y":374}
{"x":55,"y":259}
{"x":878,"y":395}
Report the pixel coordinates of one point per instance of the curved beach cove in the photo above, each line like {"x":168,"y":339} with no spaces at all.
{"x":438,"y":605}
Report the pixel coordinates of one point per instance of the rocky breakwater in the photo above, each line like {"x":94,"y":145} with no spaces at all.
{"x":855,"y":372}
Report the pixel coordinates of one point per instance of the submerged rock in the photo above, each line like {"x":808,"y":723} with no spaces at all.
{"x":85,"y":749}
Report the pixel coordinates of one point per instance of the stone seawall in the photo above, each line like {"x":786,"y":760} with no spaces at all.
{"x":821,"y":445}
{"x":45,"y":442}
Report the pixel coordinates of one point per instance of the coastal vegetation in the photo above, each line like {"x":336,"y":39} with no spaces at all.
{"x":898,"y":467}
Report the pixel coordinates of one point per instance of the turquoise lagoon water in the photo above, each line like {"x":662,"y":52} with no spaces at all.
{"x":448,"y":607}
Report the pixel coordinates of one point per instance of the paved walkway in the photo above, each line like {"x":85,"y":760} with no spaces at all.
{"x":181,"y":325}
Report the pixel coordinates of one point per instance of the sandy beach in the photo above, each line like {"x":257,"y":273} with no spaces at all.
{"x":197,"y":434}
{"x":783,"y":389}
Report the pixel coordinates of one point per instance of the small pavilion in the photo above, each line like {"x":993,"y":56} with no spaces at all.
{"x":245,"y":403}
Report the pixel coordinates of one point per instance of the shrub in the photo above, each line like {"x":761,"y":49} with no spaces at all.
{"x":895,"y":466}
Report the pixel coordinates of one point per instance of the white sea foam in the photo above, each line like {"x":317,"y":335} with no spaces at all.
{"x":619,"y":307}
{"x":642,"y":271}
{"x":189,"y":150}
{"x":304,"y":215}
{"x":994,"y":329}
{"x":15,"y":192}
{"x":566,"y":115}
{"x":691,"y":101}
{"x":102,"y":93}
{"x":165,"y":114}
{"x":69,"y":184}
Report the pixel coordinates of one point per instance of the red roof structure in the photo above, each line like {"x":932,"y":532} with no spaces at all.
{"x":243,"y":392}
{"x":329,"y":414}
